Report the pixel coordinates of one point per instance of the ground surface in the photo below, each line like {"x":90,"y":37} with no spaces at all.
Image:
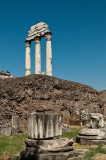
{"x":13,"y":144}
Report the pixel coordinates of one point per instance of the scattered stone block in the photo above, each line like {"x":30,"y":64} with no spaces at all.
{"x":15,"y":125}
{"x":96,"y":121}
{"x":95,"y":132}
{"x":6,"y":130}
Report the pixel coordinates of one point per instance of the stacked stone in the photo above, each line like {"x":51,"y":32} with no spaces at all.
{"x":10,"y":128}
{"x":38,"y":30}
{"x":94,"y":132}
{"x":35,"y":34}
{"x":43,"y":141}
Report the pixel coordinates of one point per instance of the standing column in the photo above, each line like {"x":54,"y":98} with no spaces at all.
{"x":27,"y":60}
{"x":48,"y":55}
{"x":37,"y":56}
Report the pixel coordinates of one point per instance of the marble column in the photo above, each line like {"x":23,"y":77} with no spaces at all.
{"x":27,"y":60}
{"x":37,"y":56}
{"x":48,"y":55}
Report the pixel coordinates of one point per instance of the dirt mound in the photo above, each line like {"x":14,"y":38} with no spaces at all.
{"x":20,"y":96}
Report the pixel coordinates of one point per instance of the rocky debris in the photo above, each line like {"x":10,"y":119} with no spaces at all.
{"x":93,"y":133}
{"x":24,"y":95}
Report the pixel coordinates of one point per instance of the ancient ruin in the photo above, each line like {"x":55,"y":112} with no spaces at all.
{"x":35,"y":34}
{"x":94,"y":132}
{"x":44,"y":141}
{"x":24,"y":95}
{"x":10,"y":127}
{"x":4,"y":75}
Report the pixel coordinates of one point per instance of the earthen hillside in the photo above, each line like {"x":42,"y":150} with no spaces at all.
{"x":20,"y":96}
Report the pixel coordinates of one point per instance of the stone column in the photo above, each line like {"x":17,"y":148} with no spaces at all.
{"x":44,"y":125}
{"x":14,"y":125}
{"x":27,"y":61}
{"x":37,"y":56}
{"x":48,"y":55}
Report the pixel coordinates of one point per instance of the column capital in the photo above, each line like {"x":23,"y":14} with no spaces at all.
{"x":48,"y":36}
{"x":27,"y":43}
{"x":37,"y":40}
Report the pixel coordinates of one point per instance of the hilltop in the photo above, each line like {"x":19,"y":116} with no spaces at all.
{"x":20,"y":96}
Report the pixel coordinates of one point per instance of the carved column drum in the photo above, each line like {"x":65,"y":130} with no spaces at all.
{"x":44,"y":125}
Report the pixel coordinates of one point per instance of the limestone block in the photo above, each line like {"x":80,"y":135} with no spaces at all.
{"x":32,"y":33}
{"x":50,"y":144}
{"x":93,"y":133}
{"x":63,"y":155}
{"x":32,"y":30}
{"x":89,"y":132}
{"x":14,"y":125}
{"x":37,"y":25}
{"x":6,"y":130}
{"x":96,"y":121}
{"x":84,"y":114}
{"x":44,"y":125}
{"x":41,"y":27}
{"x":40,"y":30}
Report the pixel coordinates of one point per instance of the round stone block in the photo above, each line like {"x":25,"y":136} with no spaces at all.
{"x":43,"y":125}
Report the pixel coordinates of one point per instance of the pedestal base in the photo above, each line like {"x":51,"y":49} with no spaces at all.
{"x":92,"y":136}
{"x":52,"y":149}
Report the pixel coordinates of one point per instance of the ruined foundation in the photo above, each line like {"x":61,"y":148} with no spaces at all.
{"x":95,"y":132}
{"x":44,"y":142}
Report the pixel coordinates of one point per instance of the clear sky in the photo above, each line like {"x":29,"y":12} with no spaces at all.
{"x":78,"y":41}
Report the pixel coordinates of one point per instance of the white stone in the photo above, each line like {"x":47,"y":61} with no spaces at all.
{"x":37,"y":57}
{"x":27,"y":61}
{"x":37,"y":32}
{"x":37,"y":25}
{"x":44,"y":125}
{"x":32,"y":33}
{"x":14,"y":125}
{"x":48,"y":56}
{"x":96,"y":121}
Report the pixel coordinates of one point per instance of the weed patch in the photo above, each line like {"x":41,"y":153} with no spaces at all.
{"x":10,"y":145}
{"x":72,"y":134}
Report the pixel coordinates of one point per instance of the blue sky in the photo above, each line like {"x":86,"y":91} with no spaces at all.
{"x":78,"y":41}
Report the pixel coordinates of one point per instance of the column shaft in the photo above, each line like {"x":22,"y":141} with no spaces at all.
{"x":48,"y":55}
{"x":37,"y":57}
{"x":27,"y":60}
